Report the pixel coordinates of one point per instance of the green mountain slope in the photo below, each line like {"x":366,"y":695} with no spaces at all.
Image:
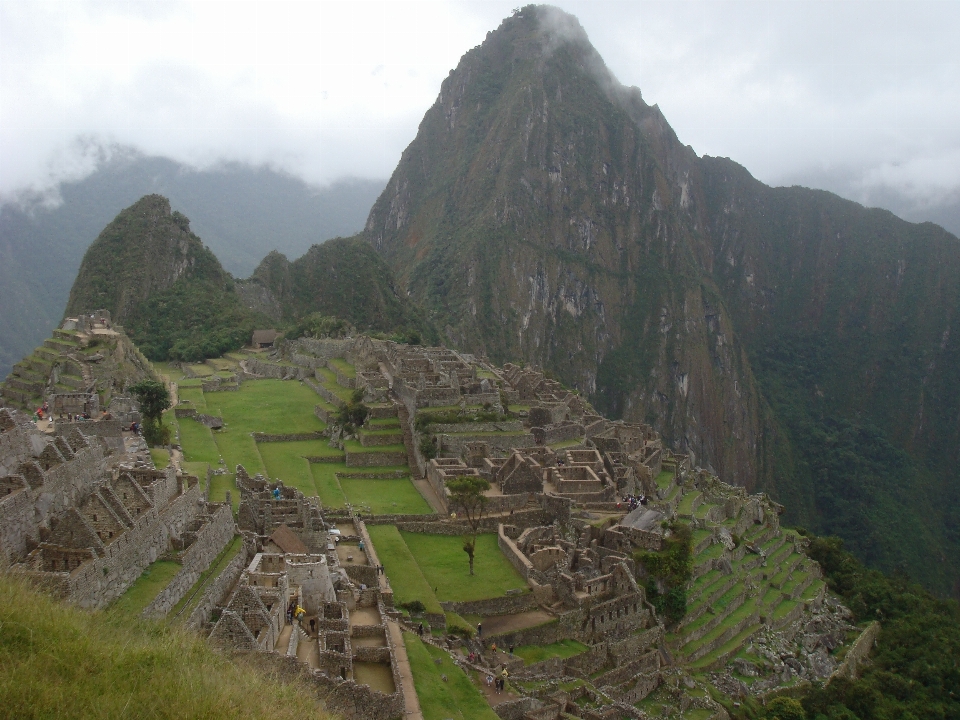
{"x":791,"y":340}
{"x":163,"y":285}
{"x":343,"y":278}
{"x":241,"y":212}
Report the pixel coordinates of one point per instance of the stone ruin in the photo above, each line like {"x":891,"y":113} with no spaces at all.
{"x":344,"y":638}
{"x":85,"y":523}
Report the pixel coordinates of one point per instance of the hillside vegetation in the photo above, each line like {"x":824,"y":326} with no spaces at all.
{"x":241,"y":212}
{"x":342,"y":278}
{"x":58,"y":661}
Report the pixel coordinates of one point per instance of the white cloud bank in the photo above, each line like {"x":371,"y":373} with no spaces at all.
{"x":853,"y":96}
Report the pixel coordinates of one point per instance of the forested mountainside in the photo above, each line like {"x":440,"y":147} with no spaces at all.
{"x":175,"y":300}
{"x":343,"y":278}
{"x":163,"y":285}
{"x":789,"y":339}
{"x":241,"y":212}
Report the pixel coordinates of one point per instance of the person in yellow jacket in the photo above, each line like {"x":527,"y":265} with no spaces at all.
{"x":299,"y":614}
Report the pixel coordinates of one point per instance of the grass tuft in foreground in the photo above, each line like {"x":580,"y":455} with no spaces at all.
{"x":59,"y":661}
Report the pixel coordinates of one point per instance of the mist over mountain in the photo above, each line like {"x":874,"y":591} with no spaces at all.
{"x":241,"y":212}
{"x":789,"y":339}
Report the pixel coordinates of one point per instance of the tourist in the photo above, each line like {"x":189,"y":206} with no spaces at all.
{"x":361,"y":546}
{"x":420,"y":629}
{"x":489,"y":680}
{"x":276,"y":493}
{"x":479,"y":630}
{"x":300,"y":614}
{"x":313,"y":626}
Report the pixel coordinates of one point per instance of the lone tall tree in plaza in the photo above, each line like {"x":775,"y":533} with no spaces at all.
{"x":467,"y":497}
{"x":153,"y":398}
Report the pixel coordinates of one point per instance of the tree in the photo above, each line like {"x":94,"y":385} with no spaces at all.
{"x":153,"y":398}
{"x":467,"y":497}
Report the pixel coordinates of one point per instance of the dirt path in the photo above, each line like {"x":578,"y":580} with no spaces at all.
{"x":411,"y":702}
{"x":499,"y":624}
{"x":283,"y":640}
{"x":491,"y":695}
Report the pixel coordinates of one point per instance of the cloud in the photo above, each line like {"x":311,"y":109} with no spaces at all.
{"x":866,"y":92}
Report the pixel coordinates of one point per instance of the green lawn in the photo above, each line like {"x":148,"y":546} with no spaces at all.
{"x":385,"y":497}
{"x":329,"y":381}
{"x":197,"y":442}
{"x":537,"y":653}
{"x":380,"y":423}
{"x":160,"y":457}
{"x":345,"y":368}
{"x":239,"y":448}
{"x":219,"y":484}
{"x":458,"y":697}
{"x":326,"y":485}
{"x":286,"y":460}
{"x":154,"y":579}
{"x":193,"y":395}
{"x":664,"y":479}
{"x":407,"y":581}
{"x":267,"y":406}
{"x":444,"y":565}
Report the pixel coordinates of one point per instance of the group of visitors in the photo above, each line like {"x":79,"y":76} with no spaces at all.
{"x":632,"y":501}
{"x":500,"y":682}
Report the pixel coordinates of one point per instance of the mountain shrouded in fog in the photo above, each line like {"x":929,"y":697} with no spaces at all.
{"x":789,"y":339}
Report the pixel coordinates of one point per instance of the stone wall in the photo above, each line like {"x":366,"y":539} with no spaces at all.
{"x":374,"y":459}
{"x":477,"y":427}
{"x":289,"y":437}
{"x":503,"y":605}
{"x":513,"y":554}
{"x":215,"y":591}
{"x":457,"y":444}
{"x":368,"y":439}
{"x":211,"y":539}
{"x":62,"y":486}
{"x":344,"y":698}
{"x":857,"y":654}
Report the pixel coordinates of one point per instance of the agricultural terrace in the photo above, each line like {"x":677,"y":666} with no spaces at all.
{"x":279,"y":407}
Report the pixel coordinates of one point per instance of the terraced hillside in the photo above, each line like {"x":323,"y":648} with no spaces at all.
{"x":101,"y":362}
{"x":758,"y":614}
{"x":276,"y":428}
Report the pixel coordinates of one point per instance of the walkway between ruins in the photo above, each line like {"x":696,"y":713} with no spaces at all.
{"x":410,"y":700}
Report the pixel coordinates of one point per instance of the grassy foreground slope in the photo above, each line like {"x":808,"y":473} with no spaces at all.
{"x":58,"y":661}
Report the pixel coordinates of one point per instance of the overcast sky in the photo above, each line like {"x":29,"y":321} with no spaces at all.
{"x":859,"y":97}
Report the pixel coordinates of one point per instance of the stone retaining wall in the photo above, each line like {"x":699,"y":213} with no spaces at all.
{"x":290,"y":437}
{"x":857,"y":653}
{"x":478,"y":427}
{"x":211,"y":540}
{"x":213,"y":594}
{"x":504,"y":443}
{"x":373,"y":459}
{"x":373,"y":440}
{"x":503,"y":605}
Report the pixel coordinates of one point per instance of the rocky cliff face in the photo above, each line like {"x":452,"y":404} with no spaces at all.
{"x":544,"y":212}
